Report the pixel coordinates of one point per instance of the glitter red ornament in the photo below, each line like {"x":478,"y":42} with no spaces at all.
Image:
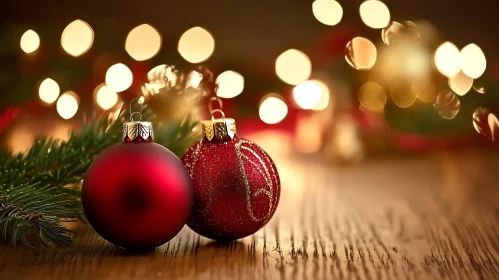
{"x":137,"y":194}
{"x":236,"y":184}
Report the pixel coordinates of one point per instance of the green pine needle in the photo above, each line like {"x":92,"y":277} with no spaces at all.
{"x":41,"y":188}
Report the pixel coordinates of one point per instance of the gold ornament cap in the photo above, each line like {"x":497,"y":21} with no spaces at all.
{"x":223,"y":129}
{"x":138,"y":132}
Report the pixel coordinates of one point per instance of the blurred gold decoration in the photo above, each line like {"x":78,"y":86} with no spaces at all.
{"x":493,"y":125}
{"x":230,"y":84}
{"x":293,"y":66}
{"x":460,"y":83}
{"x":119,"y":77}
{"x":175,"y":93}
{"x":447,"y":104}
{"x":49,"y":91}
{"x":405,"y":61}
{"x":374,"y":14}
{"x":344,"y":144}
{"x":478,"y":86}
{"x":473,"y":61}
{"x":328,"y":12}
{"x":403,"y":94}
{"x":400,"y":32}
{"x":272,"y":108}
{"x":143,"y":42}
{"x":30,"y":41}
{"x":21,"y":139}
{"x":360,"y":53}
{"x":372,"y":96}
{"x":447,"y":59}
{"x":425,"y":91}
{"x":481,"y":122}
{"x":196,"y":45}
{"x":77,"y":38}
{"x":67,"y":104}
{"x":308,"y":137}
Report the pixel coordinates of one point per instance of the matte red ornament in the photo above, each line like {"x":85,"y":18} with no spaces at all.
{"x":236,"y":184}
{"x":137,"y":194}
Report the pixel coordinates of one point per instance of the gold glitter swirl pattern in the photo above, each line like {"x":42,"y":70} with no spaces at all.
{"x":265,"y":173}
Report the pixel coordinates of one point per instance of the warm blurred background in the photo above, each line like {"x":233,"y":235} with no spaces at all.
{"x":342,"y":79}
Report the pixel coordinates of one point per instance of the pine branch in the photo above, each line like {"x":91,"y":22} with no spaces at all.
{"x":40,"y":188}
{"x":36,"y":208}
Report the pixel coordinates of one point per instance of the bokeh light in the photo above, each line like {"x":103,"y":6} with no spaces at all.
{"x":447,"y":104}
{"x":397,"y":32}
{"x":119,"y":77}
{"x":230,"y":84}
{"x":67,"y":105}
{"x":49,"y":91}
{"x":403,"y":94}
{"x":105,"y":97}
{"x":324,"y":100}
{"x":372,"y":96}
{"x":493,"y":125}
{"x":473,"y":62}
{"x":77,"y":38}
{"x":460,"y":83}
{"x":360,"y":53}
{"x":447,"y":59}
{"x":196,"y":45}
{"x":30,"y":41}
{"x":481,"y":122}
{"x":293,"y":66}
{"x":328,"y":12}
{"x":425,"y":91}
{"x":374,"y":14}
{"x":272,"y":109}
{"x":21,"y":139}
{"x":479,"y":86}
{"x":143,"y":42}
{"x":309,"y":93}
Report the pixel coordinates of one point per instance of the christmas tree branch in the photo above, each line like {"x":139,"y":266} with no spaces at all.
{"x":40,"y":188}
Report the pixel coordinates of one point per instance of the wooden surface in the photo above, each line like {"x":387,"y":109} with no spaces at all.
{"x":434,"y":217}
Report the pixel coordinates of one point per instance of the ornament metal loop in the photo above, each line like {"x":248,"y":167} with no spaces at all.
{"x":210,"y":104}
{"x":219,"y":111}
{"x":139,"y":113}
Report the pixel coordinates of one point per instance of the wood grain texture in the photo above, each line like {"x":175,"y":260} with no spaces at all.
{"x":420,"y":218}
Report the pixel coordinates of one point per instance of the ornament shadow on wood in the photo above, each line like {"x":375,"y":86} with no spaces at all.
{"x":236,"y":183}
